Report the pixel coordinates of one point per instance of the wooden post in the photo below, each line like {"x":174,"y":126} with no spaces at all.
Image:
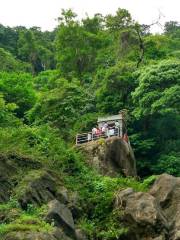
{"x":121,"y":125}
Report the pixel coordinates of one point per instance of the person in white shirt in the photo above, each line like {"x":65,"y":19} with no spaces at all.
{"x":105,"y":129}
{"x":117,"y":125}
{"x":94,"y":130}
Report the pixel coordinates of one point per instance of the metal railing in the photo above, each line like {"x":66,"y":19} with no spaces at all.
{"x":88,"y":137}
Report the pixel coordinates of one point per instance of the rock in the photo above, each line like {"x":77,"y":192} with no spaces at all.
{"x":142,"y":214}
{"x":154,"y":215}
{"x":80,"y":235}
{"x":58,"y":235}
{"x":166,"y":190}
{"x":159,"y":238}
{"x":29,"y":236}
{"x":61,"y":217}
{"x":6,"y":171}
{"x":40,"y":187}
{"x":62,"y":194}
{"x":9,"y":167}
{"x":74,"y":205}
{"x":112,"y":156}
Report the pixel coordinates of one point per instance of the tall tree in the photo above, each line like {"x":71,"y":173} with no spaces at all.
{"x":157,"y":109}
{"x":76,"y":47}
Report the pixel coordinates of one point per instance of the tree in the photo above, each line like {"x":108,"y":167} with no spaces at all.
{"x":156,"y":101}
{"x":76,"y":47}
{"x":27,"y":50}
{"x":62,"y":105}
{"x":9,"y":63}
{"x":158,"y":90}
{"x":172,"y":28}
{"x":94,"y":24}
{"x":114,"y":92}
{"x":120,"y":21}
{"x":7,"y":116}
{"x":8,"y":39}
{"x":18,"y":88}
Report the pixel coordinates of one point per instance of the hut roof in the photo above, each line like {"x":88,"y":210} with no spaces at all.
{"x":109,"y":118}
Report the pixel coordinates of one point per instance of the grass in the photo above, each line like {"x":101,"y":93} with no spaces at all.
{"x":99,"y":219}
{"x":18,"y":220}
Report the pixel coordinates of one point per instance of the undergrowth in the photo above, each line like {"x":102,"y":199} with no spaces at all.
{"x":98,"y":219}
{"x":17,"y":220}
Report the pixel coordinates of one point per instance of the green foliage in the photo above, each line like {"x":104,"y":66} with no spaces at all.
{"x":149,"y":181}
{"x":62,"y":105}
{"x":121,"y":20}
{"x":157,"y":46}
{"x":158,"y":89}
{"x":22,"y":221}
{"x":114,"y":93}
{"x":35,"y":51}
{"x":98,"y":193}
{"x":76,"y":47}
{"x":8,"y":39}
{"x":156,"y":102}
{"x":93,"y":72}
{"x":22,"y":92}
{"x":169,"y":163}
{"x":85,"y":123}
{"x":9,"y":63}
{"x":12,"y":203}
{"x":7,"y":117}
{"x":40,"y":143}
{"x":172,"y":28}
{"x":46,"y":80}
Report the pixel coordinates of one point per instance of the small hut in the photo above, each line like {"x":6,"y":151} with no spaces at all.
{"x":110,"y":120}
{"x":113,"y":130}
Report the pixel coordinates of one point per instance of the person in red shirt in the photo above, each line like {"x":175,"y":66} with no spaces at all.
{"x":98,"y":132}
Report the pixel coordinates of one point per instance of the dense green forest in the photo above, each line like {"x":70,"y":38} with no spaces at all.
{"x":55,"y":84}
{"x":83,"y":69}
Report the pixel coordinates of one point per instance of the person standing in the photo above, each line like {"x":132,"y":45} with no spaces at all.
{"x":94,"y":130}
{"x":98,"y":132}
{"x":117,"y":127}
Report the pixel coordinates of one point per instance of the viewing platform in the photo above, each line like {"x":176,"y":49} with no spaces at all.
{"x":108,"y":126}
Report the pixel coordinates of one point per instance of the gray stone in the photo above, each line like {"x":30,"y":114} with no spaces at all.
{"x":166,"y":190}
{"x":29,"y":236}
{"x":39,"y":187}
{"x":60,"y":216}
{"x":110,"y":156}
{"x":56,"y":235}
{"x":142,"y":214}
{"x":80,"y":235}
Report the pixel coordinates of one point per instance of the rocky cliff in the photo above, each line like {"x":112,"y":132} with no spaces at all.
{"x":154,"y":214}
{"x":34,"y":186}
{"x":112,"y":156}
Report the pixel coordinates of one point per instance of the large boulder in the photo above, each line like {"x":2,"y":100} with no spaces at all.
{"x":40,"y":187}
{"x":152,"y":215}
{"x":6,"y":171}
{"x":10,"y":166}
{"x":80,"y":235}
{"x":166,"y":190}
{"x":56,"y":235}
{"x":112,"y":156}
{"x":142,"y":214}
{"x":29,"y":236}
{"x":61,"y":217}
